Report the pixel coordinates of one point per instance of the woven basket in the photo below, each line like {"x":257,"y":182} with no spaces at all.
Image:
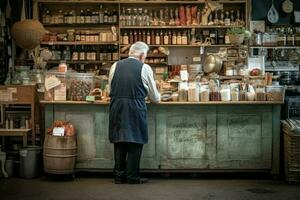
{"x":28,"y":34}
{"x":236,"y":39}
{"x":291,"y":155}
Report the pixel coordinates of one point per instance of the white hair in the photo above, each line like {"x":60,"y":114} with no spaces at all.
{"x":138,"y":48}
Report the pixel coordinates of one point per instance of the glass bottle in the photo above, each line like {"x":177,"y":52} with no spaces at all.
{"x":216,"y":18}
{"x":146,"y":18}
{"x":128,"y":18}
{"x":87,"y":18}
{"x":170,"y":38}
{"x":179,"y":38}
{"x":123,"y":17}
{"x":281,"y":38}
{"x":66,"y":18}
{"x":134,"y":17}
{"x":140,"y":38}
{"x":157,"y":38}
{"x":101,"y":15}
{"x":161,"y":35}
{"x":184,"y":38}
{"x":166,"y":38}
{"x":172,"y":19}
{"x":105,"y":16}
{"x":161,"y":17}
{"x":125,"y":39}
{"x":115,"y":16}
{"x":153,"y":38}
{"x":135,"y":36}
{"x":177,"y":20}
{"x":174,"y":38}
{"x":222,"y":18}
{"x":166,"y":16}
{"x":148,"y":40}
{"x":60,"y":17}
{"x":139,"y":18}
{"x":232,"y":16}
{"x":131,"y":38}
{"x":82,"y":53}
{"x":290,"y":37}
{"x":144,"y":36}
{"x":227,"y":19}
{"x":155,"y":19}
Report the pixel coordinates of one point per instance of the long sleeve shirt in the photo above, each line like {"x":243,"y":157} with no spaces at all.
{"x":147,"y":79}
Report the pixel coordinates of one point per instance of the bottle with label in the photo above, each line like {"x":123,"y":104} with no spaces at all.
{"x":75,"y":54}
{"x":227,"y":19}
{"x":290,"y":37}
{"x":161,"y":35}
{"x":216,"y":18}
{"x":213,"y":36}
{"x":148,"y":40}
{"x":184,"y":38}
{"x":166,"y":38}
{"x":66,"y":18}
{"x":82,"y":17}
{"x":140,"y":36}
{"x":82,"y":55}
{"x":81,"y":69}
{"x":131,"y":41}
{"x":125,"y":39}
{"x":135,"y":36}
{"x":144,"y":36}
{"x":123,"y":17}
{"x":128,"y":17}
{"x":170,"y":38}
{"x":157,"y":38}
{"x":179,"y":38}
{"x":60,"y":17}
{"x":232,"y":18}
{"x":87,"y":18}
{"x":174,"y":38}
{"x":281,"y":38}
{"x":105,"y":16}
{"x":146,"y":18}
{"x":153,"y":38}
{"x":101,"y":15}
{"x":115,"y":16}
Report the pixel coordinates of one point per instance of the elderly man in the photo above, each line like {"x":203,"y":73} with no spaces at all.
{"x":130,"y":81}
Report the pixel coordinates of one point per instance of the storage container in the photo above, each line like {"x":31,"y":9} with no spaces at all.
{"x":80,"y":85}
{"x":275,"y":93}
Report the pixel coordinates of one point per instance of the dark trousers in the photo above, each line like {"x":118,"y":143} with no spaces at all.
{"x":127,"y":161}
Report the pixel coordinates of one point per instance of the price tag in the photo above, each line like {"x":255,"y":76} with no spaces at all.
{"x":58,"y":131}
{"x":184,"y":75}
{"x":90,"y":98}
{"x":51,"y":82}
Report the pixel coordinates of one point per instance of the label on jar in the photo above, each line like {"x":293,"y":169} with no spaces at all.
{"x":184,"y":40}
{"x":125,"y":40}
{"x":179,"y":40}
{"x":82,"y":56}
{"x":75,"y":56}
{"x":148,"y":40}
{"x":174,"y":40}
{"x":82,"y":37}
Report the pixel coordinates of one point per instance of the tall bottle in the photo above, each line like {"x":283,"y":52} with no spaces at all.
{"x":101,"y":15}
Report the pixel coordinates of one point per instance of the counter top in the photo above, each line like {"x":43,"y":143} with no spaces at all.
{"x":175,"y":103}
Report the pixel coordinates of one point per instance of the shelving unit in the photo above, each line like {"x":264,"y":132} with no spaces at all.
{"x":77,"y":5}
{"x":21,"y":95}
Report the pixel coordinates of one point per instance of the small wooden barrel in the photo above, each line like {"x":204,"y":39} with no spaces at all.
{"x":60,"y":154}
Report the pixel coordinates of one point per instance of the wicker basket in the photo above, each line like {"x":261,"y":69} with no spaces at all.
{"x":28,"y":34}
{"x":291,"y":155}
{"x":236,"y":39}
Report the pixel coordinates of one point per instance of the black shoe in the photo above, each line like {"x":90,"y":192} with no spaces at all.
{"x":138,"y":181}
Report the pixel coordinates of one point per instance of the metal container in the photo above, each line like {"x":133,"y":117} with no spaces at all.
{"x":212,"y":63}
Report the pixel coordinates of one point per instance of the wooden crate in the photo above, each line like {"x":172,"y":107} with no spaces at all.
{"x":291,"y":155}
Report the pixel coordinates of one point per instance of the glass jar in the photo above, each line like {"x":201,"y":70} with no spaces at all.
{"x":204,"y":93}
{"x":260,"y":94}
{"x":214,"y":94}
{"x":281,"y":39}
{"x":225,"y":93}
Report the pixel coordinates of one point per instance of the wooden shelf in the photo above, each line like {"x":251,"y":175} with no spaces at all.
{"x":106,"y":25}
{"x":138,"y":2}
{"x":275,"y":47}
{"x":188,"y":45}
{"x":79,"y":43}
{"x":176,"y":27}
{"x":240,"y":77}
{"x":123,"y":55}
{"x":80,"y":62}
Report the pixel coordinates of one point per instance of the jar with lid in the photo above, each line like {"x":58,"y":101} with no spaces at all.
{"x":290,"y":37}
{"x":193,"y":92}
{"x":214,"y":94}
{"x":71,"y":35}
{"x":281,"y":39}
{"x":225,"y":92}
{"x":235,"y":94}
{"x":204,"y":93}
{"x":183,"y":92}
{"x":260,"y":94}
{"x":297,"y":36}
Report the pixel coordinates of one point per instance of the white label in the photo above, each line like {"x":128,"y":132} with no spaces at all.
{"x":297,"y":16}
{"x":51,"y":82}
{"x":184,"y":75}
{"x":60,"y":92}
{"x":58,"y":131}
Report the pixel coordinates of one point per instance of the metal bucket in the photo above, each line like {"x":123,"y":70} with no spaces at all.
{"x":30,"y":160}
{"x":60,"y":154}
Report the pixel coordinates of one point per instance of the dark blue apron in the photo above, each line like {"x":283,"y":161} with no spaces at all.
{"x":128,"y":111}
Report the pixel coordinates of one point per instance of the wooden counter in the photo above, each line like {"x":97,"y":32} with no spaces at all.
{"x":188,"y":136}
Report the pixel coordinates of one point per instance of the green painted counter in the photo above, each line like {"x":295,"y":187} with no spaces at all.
{"x":240,"y":136}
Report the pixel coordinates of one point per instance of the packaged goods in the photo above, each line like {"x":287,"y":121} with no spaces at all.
{"x":61,"y":127}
